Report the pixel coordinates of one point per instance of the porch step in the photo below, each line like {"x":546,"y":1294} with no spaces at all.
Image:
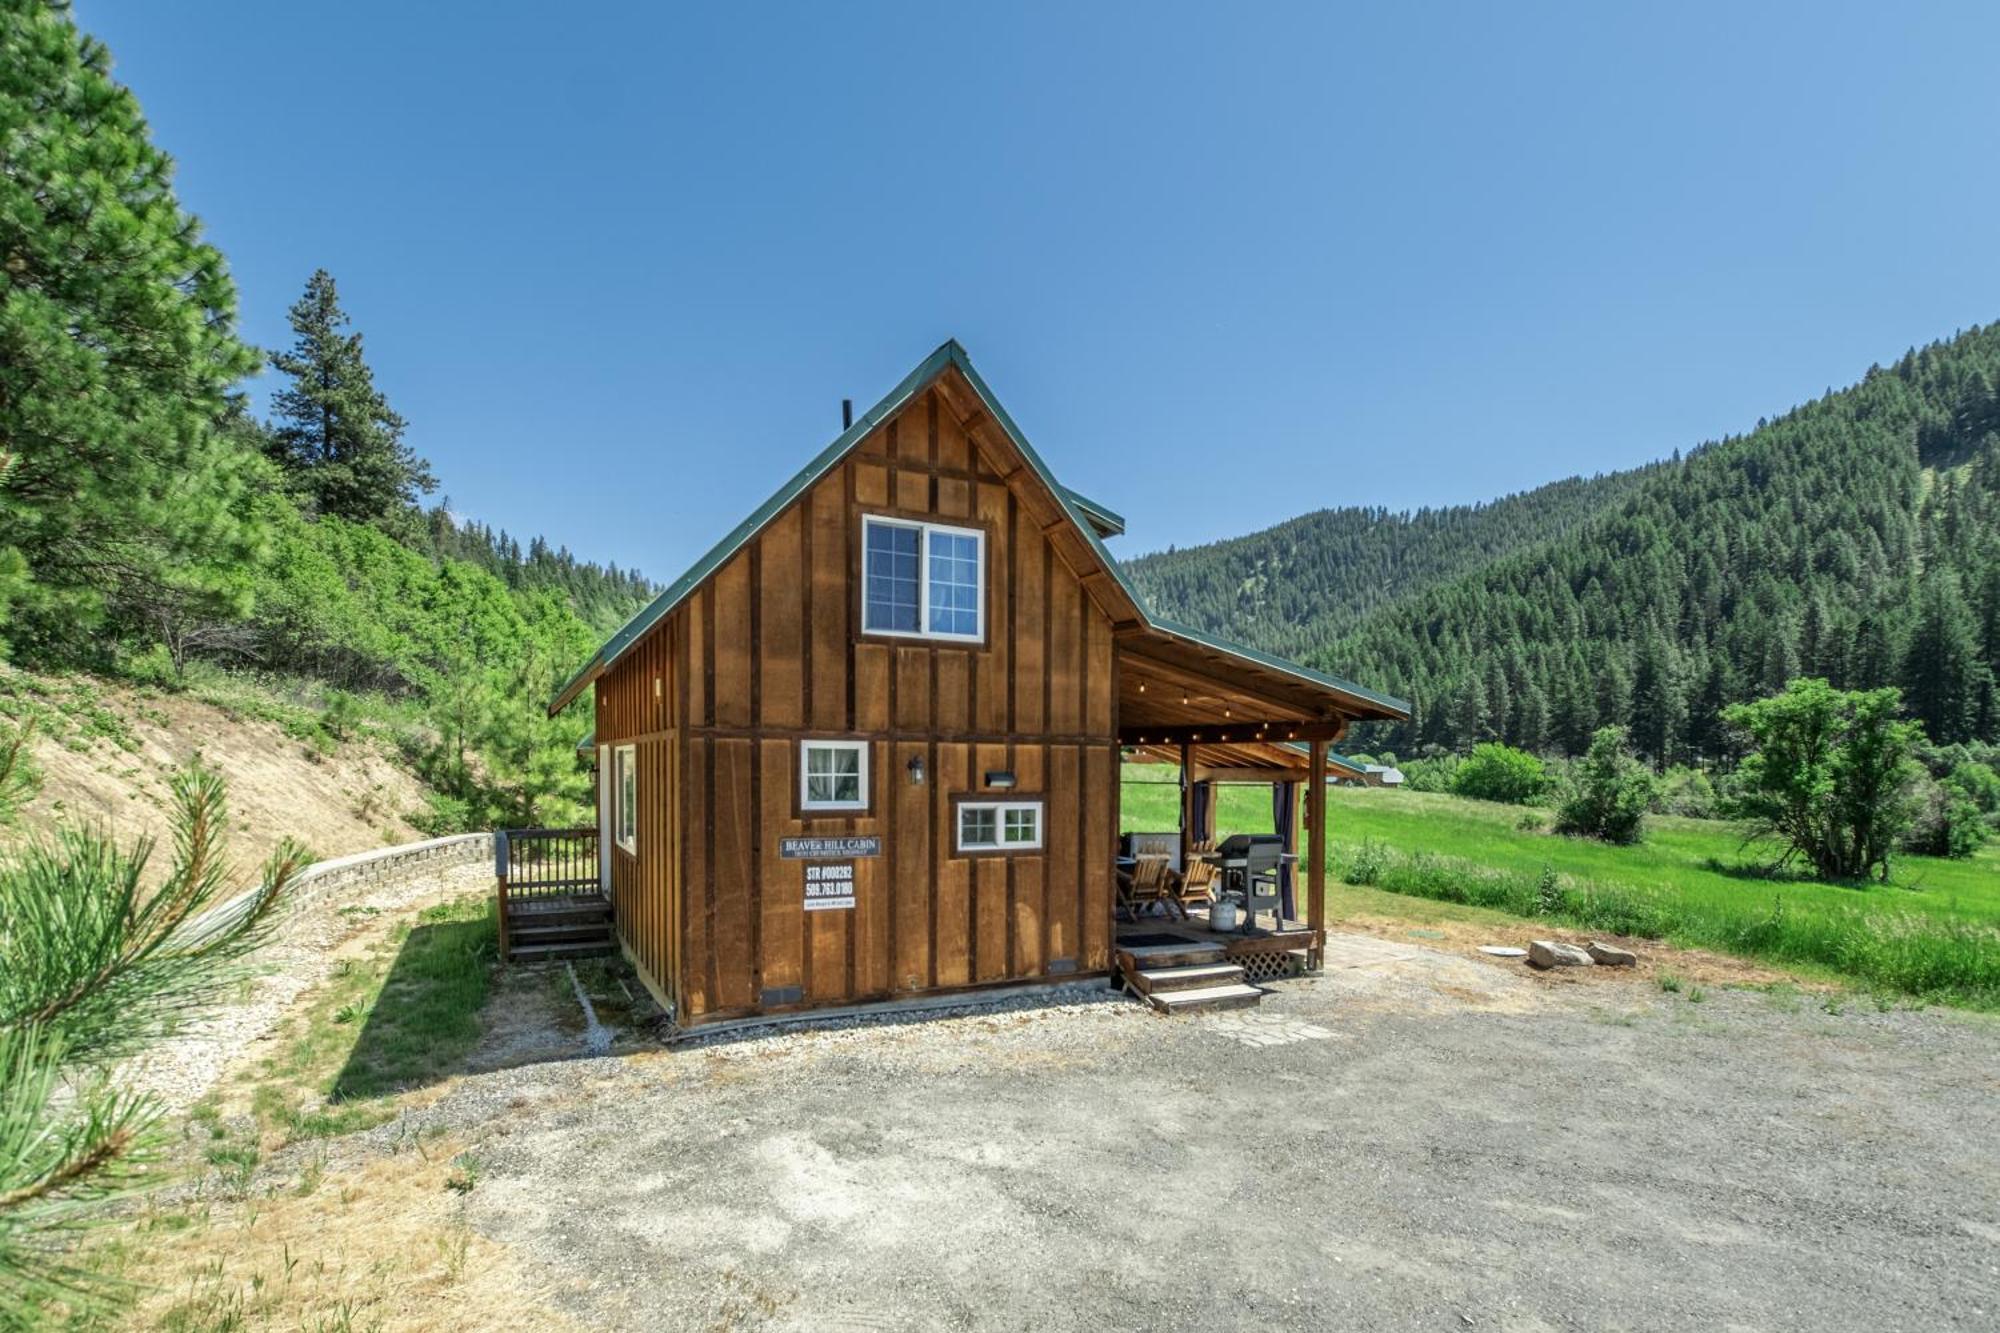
{"x":535,"y":953}
{"x":575,"y":912}
{"x":1152,"y":981}
{"x":1194,"y":953}
{"x":1197,"y":998}
{"x":589,"y":932}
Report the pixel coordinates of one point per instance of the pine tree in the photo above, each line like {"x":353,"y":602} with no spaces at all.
{"x":117,"y":350}
{"x":1659,"y":707}
{"x":1944,"y":678}
{"x":336,"y":435}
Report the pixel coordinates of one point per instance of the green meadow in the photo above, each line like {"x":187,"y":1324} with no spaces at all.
{"x":1932,"y":932}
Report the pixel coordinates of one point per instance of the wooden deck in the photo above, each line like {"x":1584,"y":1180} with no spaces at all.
{"x":1282,"y":948}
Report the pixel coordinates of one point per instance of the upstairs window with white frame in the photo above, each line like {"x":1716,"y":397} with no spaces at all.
{"x":1000,"y":826}
{"x":923,"y":580}
{"x":833,"y":775}
{"x":625,"y":798}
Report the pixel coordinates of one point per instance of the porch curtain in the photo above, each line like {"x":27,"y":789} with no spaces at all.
{"x":1284,"y":819}
{"x":1199,"y":796}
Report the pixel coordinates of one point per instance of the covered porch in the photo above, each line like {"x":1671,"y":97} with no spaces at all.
{"x":1197,"y":901}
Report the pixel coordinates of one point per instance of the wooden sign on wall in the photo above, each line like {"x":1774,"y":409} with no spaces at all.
{"x":817,"y":849}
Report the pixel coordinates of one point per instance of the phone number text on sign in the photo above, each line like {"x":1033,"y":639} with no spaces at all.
{"x":829,"y":884}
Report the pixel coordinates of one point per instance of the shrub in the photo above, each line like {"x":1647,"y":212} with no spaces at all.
{"x":1831,"y":774}
{"x":1436,"y":774}
{"x":1947,"y":822}
{"x":1686,"y":792}
{"x":1497,"y":772}
{"x":1979,"y":784}
{"x":1609,"y":793}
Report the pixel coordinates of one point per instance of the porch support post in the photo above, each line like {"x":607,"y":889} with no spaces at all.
{"x":1187,"y":804}
{"x":1316,"y":848}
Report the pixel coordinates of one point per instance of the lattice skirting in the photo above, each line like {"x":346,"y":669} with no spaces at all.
{"x":1266,"y":966}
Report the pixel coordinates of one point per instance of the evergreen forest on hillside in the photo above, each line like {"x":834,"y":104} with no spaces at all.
{"x":1856,"y":538}
{"x":151,"y":525}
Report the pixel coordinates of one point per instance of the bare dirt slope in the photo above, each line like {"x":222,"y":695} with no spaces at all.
{"x":116,"y":771}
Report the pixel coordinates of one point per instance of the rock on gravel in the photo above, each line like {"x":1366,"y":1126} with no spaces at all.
{"x":1550,"y":953}
{"x":1610,"y":955}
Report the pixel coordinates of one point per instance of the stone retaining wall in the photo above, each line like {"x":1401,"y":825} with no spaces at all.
{"x":324,"y":878}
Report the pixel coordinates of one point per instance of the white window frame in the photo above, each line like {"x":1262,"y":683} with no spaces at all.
{"x":1000,"y":809}
{"x":806,"y":747}
{"x":625,"y":762}
{"x":923,"y":630}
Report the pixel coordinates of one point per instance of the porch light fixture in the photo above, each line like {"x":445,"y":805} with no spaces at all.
{"x":1001,"y":779}
{"x":916,"y":770}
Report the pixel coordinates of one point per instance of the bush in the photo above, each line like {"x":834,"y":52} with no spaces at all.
{"x":1979,"y":784}
{"x":1831,"y":774}
{"x":1686,"y":792}
{"x":1431,"y":774}
{"x":1609,"y":793}
{"x":1497,"y":772}
{"x":1947,"y":821}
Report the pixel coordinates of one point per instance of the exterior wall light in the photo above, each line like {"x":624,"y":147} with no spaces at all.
{"x":916,"y":768}
{"x":1001,"y":779}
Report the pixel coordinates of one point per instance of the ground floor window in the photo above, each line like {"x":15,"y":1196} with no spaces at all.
{"x":999,"y":826}
{"x":625,"y":797}
{"x":833,"y":775}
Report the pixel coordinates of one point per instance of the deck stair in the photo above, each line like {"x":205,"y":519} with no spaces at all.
{"x":575,"y":927}
{"x":1177,"y":979}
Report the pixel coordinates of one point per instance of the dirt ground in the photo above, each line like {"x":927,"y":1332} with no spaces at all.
{"x":279,"y":787}
{"x":1414,"y":1139}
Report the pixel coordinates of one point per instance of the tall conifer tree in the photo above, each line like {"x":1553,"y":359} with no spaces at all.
{"x":335,"y":433}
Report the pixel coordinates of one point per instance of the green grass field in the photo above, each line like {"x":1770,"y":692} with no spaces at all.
{"x":1933,"y":931}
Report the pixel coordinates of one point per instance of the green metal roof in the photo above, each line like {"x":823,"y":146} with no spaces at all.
{"x":1388,"y":703}
{"x":1086,"y":514}
{"x":1109,"y":522}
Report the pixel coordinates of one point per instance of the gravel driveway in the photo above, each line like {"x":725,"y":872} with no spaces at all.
{"x":1413,"y":1140}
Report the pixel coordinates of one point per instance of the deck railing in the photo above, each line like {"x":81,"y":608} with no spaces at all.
{"x":532,"y":864}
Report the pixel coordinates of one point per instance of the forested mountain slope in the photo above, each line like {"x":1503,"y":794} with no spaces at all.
{"x":152,"y":530}
{"x":1297,"y":587}
{"x":1856,"y":537}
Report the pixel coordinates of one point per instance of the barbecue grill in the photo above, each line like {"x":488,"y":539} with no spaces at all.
{"x":1249,"y":864}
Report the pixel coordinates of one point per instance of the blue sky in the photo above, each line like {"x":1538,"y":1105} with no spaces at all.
{"x":618,"y":263}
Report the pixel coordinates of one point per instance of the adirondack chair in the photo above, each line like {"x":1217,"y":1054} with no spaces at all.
{"x":1197,"y":882}
{"x":1154,"y":883}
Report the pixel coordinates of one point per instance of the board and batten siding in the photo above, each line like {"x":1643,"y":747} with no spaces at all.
{"x":636,"y":706}
{"x":768,"y":652}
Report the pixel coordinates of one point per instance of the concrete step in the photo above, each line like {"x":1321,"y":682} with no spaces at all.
{"x":1198,"y":998}
{"x":537,"y":953}
{"x":1140,"y":957}
{"x":1154,"y":980}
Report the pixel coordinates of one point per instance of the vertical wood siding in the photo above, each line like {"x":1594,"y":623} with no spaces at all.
{"x":767,"y":653}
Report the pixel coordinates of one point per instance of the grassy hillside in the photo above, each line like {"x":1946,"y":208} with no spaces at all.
{"x":1933,"y":931}
{"x":105,"y":752}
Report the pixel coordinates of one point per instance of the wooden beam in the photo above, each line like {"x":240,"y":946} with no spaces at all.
{"x":1316,"y":844}
{"x":1273,"y":774}
{"x":1232,"y":733}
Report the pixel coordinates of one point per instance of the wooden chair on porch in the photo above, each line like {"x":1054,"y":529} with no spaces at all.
{"x":1152,"y":883}
{"x":1197,"y":881}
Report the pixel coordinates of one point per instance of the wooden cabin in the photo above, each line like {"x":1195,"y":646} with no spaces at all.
{"x":868,"y":747}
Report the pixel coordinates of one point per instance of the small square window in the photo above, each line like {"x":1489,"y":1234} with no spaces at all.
{"x":833,"y":775}
{"x":1000,"y":826}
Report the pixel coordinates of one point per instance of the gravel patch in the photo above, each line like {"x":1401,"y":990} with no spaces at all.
{"x":308,"y":945}
{"x":1410,"y":1140}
